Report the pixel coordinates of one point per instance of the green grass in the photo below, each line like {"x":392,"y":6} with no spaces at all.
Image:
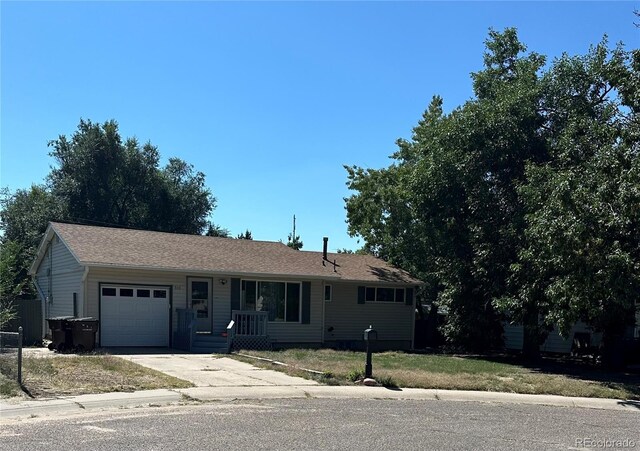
{"x":76,"y":375}
{"x":451,"y":372}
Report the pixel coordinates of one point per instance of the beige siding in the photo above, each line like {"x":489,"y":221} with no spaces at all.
{"x":59,"y":276}
{"x":177,"y":282}
{"x":221,"y":304}
{"x":302,"y":333}
{"x":394,"y":322}
{"x":554,"y":343}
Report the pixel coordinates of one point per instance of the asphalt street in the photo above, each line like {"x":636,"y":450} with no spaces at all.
{"x":310,"y":424}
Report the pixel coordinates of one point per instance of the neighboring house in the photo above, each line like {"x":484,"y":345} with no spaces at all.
{"x":147,"y":287}
{"x":555,"y":343}
{"x":580,"y":337}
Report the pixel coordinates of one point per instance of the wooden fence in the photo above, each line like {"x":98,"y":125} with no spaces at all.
{"x":30,"y":318}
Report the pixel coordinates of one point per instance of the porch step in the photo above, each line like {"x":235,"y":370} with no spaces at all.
{"x":209,"y":344}
{"x":209,"y":339}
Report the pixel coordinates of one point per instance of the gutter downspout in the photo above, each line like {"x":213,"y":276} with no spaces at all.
{"x":324,"y":306}
{"x":413,"y":318}
{"x":43,"y":299}
{"x":83,"y":280}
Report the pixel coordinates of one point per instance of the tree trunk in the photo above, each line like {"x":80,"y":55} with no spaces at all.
{"x":612,"y":349}
{"x":531,"y":333}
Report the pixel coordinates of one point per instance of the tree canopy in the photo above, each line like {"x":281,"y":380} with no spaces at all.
{"x":520,"y":203}
{"x":246,"y":235}
{"x":104,"y":179}
{"x":294,"y":242}
{"x":101,"y":179}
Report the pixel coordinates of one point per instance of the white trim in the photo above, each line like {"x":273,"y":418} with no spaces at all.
{"x":43,"y":326}
{"x":413,"y":316}
{"x":209,"y":281}
{"x":214,"y":273}
{"x":404,"y":296}
{"x":33,"y":269}
{"x":324,"y":292}
{"x":323,"y":331}
{"x":48,"y":236}
{"x":286,"y":282}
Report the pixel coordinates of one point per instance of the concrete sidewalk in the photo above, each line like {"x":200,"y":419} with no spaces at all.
{"x":207,"y":370}
{"x":14,"y":410}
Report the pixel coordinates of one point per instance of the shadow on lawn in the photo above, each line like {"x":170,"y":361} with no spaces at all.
{"x":576,"y":369}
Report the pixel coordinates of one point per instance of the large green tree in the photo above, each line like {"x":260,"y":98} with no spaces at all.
{"x":448,"y":208}
{"x":460,"y":206}
{"x":13,"y":285}
{"x":582,"y":252}
{"x":99,"y":178}
{"x":103,"y":179}
{"x":23,"y":219}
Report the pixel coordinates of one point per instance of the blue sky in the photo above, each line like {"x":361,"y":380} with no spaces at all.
{"x":268,"y":99}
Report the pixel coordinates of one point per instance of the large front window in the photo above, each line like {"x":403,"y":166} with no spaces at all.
{"x":280,"y":299}
{"x":384,"y":294}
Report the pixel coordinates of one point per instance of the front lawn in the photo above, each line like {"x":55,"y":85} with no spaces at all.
{"x":451,"y":373}
{"x":84,"y":374}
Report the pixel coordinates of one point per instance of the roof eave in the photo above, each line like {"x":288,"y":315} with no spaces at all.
{"x":196,"y":271}
{"x":210,"y":272}
{"x":48,"y":235}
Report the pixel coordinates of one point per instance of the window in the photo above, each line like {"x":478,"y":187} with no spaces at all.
{"x":282,"y":300}
{"x":200,"y":298}
{"x":144,"y":293}
{"x":248,"y":295}
{"x":160,"y":293}
{"x":108,"y":291}
{"x":327,"y":293}
{"x":385,"y":294}
{"x":371,"y":294}
{"x":292,"y":308}
{"x":199,"y":290}
{"x":126,"y":292}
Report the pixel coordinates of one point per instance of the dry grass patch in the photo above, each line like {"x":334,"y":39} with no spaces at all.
{"x":446,"y":372}
{"x":8,"y":387}
{"x":77,"y":375}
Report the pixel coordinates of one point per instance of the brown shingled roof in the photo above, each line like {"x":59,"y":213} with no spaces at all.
{"x":106,"y":246}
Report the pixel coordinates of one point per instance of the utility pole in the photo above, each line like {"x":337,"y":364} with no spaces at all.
{"x":293,"y":237}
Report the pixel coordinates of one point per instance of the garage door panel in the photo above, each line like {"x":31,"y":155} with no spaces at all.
{"x":135,"y":321}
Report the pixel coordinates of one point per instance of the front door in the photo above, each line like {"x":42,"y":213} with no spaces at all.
{"x":200,"y":302}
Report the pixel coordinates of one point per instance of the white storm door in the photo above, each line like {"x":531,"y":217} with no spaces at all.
{"x":200,"y":300}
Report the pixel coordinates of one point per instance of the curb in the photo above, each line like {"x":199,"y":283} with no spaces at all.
{"x":81,"y":403}
{"x":162,"y":397}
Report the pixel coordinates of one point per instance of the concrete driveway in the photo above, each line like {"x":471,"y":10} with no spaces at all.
{"x":212,"y":370}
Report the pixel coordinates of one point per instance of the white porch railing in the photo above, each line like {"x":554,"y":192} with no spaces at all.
{"x":250,"y":323}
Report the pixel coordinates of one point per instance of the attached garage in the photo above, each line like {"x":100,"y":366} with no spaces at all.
{"x":134,"y":315}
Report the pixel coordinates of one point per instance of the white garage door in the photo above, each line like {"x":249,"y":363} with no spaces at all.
{"x":134,"y":315}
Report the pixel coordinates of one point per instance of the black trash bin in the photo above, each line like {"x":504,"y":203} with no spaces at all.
{"x":83,"y":331}
{"x":60,"y":333}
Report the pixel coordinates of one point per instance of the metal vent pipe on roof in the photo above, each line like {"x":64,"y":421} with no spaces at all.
{"x":324,"y":247}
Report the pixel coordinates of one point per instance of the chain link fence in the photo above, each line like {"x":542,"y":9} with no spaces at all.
{"x":11,"y":355}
